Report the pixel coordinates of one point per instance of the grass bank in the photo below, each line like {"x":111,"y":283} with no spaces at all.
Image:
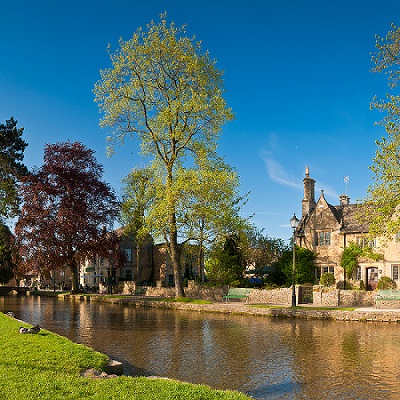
{"x":47,"y":366}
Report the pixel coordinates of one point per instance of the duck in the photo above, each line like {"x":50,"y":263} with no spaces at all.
{"x":23,"y":330}
{"x":34,"y":329}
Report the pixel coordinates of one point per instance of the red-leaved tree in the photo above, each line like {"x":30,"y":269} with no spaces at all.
{"x":66,"y":210}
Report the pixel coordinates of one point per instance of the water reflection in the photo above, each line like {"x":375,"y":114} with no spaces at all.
{"x":267,"y":358}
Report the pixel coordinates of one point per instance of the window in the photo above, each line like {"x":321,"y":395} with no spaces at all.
{"x":395,"y":272}
{"x":358,"y":273}
{"x":323,"y":239}
{"x":364,"y":242}
{"x":327,"y":269}
{"x":323,"y":270}
{"x":128,"y":253}
{"x":128,"y":274}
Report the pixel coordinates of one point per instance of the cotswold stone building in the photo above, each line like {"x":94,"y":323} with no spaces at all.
{"x":154,"y":266}
{"x":326,"y":230}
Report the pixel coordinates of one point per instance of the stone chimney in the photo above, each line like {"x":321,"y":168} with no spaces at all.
{"x":308,"y":202}
{"x":344,"y":200}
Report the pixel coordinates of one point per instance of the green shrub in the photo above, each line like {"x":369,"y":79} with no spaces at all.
{"x":341,"y":285}
{"x":327,"y":279}
{"x":386,"y":283}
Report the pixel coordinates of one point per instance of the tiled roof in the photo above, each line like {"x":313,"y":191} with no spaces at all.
{"x":349,"y":218}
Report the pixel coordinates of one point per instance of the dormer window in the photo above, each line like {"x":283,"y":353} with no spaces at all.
{"x":323,"y":238}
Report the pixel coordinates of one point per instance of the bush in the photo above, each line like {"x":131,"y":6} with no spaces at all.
{"x":341,"y":285}
{"x":386,"y":283}
{"x":327,"y":279}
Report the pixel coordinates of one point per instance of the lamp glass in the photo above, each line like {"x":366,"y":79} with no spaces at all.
{"x":294,"y":221}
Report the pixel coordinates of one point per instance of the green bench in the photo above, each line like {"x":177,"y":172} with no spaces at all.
{"x":237,"y":293}
{"x":385,"y":296}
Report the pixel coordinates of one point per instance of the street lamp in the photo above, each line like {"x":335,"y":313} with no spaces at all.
{"x":294,"y":222}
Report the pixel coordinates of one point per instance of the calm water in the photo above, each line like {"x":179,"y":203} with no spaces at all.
{"x":264,"y":357}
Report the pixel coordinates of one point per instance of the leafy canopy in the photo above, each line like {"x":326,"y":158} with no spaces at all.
{"x":7,"y":250}
{"x":304,"y":265}
{"x":163,"y":89}
{"x":12,"y":148}
{"x":383,"y":198}
{"x":66,"y":207}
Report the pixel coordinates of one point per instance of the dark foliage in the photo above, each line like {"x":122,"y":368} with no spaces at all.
{"x":7,"y":265}
{"x":66,"y":210}
{"x":12,"y":148}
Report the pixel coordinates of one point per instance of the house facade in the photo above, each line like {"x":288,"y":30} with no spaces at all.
{"x":326,"y":230}
{"x":154,"y":266}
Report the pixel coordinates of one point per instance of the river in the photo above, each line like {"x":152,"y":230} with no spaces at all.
{"x":264,"y":357}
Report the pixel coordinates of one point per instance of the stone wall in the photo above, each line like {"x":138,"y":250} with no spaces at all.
{"x":322,"y":296}
{"x":328,"y":297}
{"x":280,"y":296}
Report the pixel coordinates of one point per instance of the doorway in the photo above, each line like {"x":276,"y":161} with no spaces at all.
{"x":372,"y":278}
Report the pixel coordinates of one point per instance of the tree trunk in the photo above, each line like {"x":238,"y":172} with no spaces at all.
{"x":200,"y":261}
{"x":173,"y":236}
{"x":175,"y":258}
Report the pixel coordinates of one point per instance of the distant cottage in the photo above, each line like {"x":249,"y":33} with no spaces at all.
{"x":326,"y":230}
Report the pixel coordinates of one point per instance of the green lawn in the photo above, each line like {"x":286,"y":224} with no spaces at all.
{"x":47,"y":366}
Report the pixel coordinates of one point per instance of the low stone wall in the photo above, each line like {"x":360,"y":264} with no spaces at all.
{"x":322,"y":296}
{"x":281,"y":296}
{"x":355,"y":298}
{"x":329,"y":297}
{"x":193,"y":291}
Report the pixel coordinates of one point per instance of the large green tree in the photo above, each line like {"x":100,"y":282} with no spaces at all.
{"x":12,"y":148}
{"x":165,"y":90}
{"x":381,"y":209}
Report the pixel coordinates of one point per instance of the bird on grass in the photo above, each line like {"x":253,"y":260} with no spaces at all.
{"x":34,"y":329}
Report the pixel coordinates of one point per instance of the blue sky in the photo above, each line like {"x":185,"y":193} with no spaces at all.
{"x":297,"y":75}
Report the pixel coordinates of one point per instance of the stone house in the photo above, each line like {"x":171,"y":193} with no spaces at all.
{"x":154,"y":267}
{"x":326,"y":230}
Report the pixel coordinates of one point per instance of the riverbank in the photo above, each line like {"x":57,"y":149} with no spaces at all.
{"x":364,"y":314}
{"x":47,"y":366}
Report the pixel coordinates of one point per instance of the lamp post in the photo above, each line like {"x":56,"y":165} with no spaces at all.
{"x":294,"y":222}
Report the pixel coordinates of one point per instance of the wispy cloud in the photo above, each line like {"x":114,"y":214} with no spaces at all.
{"x":278,"y":173}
